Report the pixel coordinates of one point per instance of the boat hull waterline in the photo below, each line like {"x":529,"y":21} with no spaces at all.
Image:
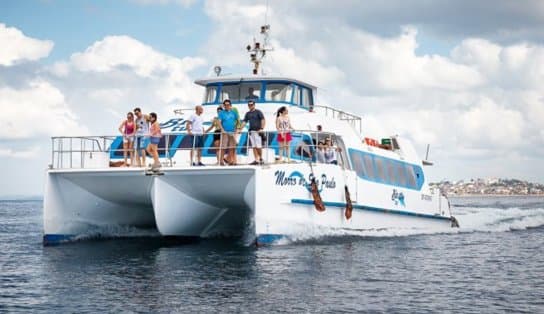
{"x":261,"y":204}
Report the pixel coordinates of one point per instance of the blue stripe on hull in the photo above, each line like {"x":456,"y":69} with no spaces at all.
{"x":53,"y":239}
{"x":374,"y":209}
{"x":265,"y":239}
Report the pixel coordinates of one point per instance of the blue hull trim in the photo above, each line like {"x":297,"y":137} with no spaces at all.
{"x":53,"y":239}
{"x":266,"y":239}
{"x":373,"y":209}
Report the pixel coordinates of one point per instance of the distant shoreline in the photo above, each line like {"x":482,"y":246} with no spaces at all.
{"x":495,"y":195}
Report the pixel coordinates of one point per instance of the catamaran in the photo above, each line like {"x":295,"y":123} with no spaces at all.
{"x":372,"y":183}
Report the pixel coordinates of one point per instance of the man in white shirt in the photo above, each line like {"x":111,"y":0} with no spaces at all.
{"x":195,"y":129}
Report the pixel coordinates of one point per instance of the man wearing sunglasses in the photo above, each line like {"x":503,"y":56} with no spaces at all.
{"x":256,"y":125}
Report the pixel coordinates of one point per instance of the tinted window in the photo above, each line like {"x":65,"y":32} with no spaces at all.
{"x":380,"y":169}
{"x":390,"y":172}
{"x":410,"y":174}
{"x":211,"y":92}
{"x":306,"y":99}
{"x":357,"y":162}
{"x":278,"y":92}
{"x":369,"y":166}
{"x":241,"y":92}
{"x":296,"y":96}
{"x":401,"y":175}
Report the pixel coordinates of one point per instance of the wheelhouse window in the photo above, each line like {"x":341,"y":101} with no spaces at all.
{"x":296,"y":96}
{"x":278,"y":92}
{"x":211,"y":94}
{"x":306,"y":98}
{"x":241,"y":92}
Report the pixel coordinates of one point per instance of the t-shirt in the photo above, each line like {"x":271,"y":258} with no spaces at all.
{"x":254,"y":117}
{"x":228,"y":120}
{"x":330,"y":155}
{"x":197,"y":124}
{"x":143,"y":126}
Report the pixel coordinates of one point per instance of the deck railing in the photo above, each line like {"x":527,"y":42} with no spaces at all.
{"x":97,"y":151}
{"x":355,"y":121}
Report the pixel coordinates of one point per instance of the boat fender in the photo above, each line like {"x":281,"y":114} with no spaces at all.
{"x":318,"y":202}
{"x":454,"y":222}
{"x":349,"y":205}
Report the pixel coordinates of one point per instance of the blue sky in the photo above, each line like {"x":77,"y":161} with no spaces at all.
{"x":461,"y":75}
{"x":72,"y":25}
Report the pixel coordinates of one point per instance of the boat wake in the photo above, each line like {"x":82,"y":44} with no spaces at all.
{"x":113,"y":232}
{"x":475,"y":217}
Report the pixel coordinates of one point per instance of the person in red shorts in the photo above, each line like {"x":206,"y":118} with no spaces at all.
{"x":283,"y":125}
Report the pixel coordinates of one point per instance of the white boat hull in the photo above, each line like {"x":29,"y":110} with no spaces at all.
{"x":228,"y":201}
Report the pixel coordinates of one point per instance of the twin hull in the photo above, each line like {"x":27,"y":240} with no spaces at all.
{"x":258,"y":203}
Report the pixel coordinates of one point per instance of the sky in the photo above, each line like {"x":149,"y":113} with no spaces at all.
{"x":463,"y":76}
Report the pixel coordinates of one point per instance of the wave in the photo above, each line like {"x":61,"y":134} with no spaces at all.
{"x":114,"y":232}
{"x":471,"y":219}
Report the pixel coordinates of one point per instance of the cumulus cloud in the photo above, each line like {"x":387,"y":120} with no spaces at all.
{"x":125,"y":55}
{"x":480,"y":101}
{"x":39,"y":109}
{"x":17,"y":48}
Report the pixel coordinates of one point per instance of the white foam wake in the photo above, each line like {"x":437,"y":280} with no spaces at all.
{"x":471,"y":219}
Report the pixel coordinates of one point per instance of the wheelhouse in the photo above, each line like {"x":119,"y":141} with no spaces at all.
{"x":261,"y":90}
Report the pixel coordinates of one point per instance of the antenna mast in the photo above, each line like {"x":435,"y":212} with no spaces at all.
{"x":257,"y":51}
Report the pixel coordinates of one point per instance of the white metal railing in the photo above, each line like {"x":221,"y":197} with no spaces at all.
{"x":86,"y":151}
{"x":354,"y":120}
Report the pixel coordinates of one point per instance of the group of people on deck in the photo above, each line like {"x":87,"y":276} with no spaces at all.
{"x":227,"y":124}
{"x":142,"y":135}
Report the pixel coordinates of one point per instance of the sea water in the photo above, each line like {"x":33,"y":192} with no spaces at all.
{"x":493,"y":263}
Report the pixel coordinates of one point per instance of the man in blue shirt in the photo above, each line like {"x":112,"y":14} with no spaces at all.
{"x":228,"y":119}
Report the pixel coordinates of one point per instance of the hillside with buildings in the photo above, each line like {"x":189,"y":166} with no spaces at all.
{"x":490,"y":187}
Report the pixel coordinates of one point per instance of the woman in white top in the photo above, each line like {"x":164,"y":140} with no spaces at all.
{"x":330,"y":152}
{"x":283,"y":125}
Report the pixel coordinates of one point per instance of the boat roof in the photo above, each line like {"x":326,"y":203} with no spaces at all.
{"x":250,"y":78}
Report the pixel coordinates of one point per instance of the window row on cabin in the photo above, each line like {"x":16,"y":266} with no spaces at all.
{"x":384,"y":170}
{"x":259,"y":91}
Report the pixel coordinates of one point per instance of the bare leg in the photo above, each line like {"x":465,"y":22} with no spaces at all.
{"x":288,"y":150}
{"x":131,"y":151}
{"x":143,"y":157}
{"x":125,"y":149}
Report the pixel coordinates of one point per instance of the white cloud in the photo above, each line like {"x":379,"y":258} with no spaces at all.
{"x":17,"y":48}
{"x":38,"y":109}
{"x":126,"y":59}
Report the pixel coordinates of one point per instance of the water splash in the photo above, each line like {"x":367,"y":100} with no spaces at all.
{"x":474,"y":215}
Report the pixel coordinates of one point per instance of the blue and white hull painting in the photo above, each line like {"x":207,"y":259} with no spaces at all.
{"x":262,"y":203}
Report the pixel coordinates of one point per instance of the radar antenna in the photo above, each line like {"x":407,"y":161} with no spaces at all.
{"x":257,"y":51}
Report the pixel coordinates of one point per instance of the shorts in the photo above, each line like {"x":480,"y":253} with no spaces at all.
{"x":255,"y":139}
{"x":197,"y":141}
{"x":286,"y":137}
{"x":142,"y":142}
{"x":128,"y":138}
{"x":228,"y":140}
{"x":155,"y":140}
{"x":216,"y":135}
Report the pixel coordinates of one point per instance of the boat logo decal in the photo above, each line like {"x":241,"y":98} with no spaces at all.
{"x":177,"y":125}
{"x":398,"y":198}
{"x":297,"y":178}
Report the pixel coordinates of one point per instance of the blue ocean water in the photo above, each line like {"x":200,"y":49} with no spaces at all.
{"x":494,"y":263}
